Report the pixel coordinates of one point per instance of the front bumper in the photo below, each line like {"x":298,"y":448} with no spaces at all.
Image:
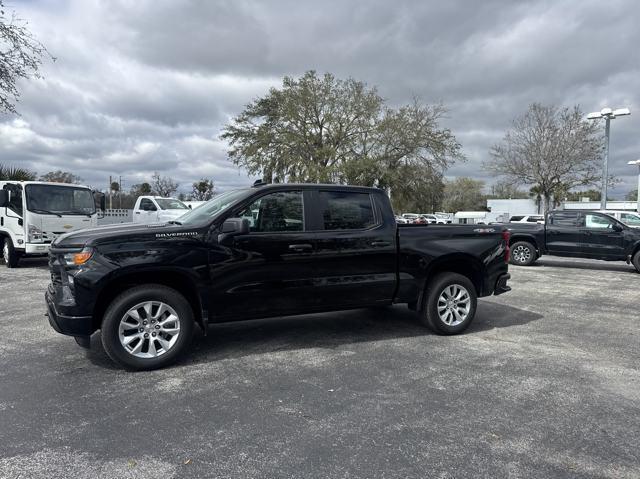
{"x":67,"y":324}
{"x":36,"y":248}
{"x":501,"y":284}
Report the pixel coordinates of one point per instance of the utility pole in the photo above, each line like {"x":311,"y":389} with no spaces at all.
{"x":608,"y":114}
{"x":110,"y":196}
{"x":120,"y":191}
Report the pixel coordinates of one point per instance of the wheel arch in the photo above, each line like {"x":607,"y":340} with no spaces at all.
{"x":181,"y":282}
{"x":460,"y":263}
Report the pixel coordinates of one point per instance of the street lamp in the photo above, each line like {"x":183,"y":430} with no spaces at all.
{"x":637,"y":162}
{"x":608,"y":114}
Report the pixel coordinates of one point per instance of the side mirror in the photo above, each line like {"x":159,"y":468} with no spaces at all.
{"x":233,"y":227}
{"x":4,"y":198}
{"x":617,"y":227}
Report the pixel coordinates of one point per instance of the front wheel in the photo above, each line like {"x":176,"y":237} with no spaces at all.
{"x":9,"y":254}
{"x":523,"y":253}
{"x":451,"y":304}
{"x":147,"y":327}
{"x":636,"y":261}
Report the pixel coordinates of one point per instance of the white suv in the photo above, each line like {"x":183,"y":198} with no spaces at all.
{"x":629,"y":218}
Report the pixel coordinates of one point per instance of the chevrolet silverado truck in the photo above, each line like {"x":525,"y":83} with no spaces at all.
{"x":265,"y":251}
{"x":577,"y":234}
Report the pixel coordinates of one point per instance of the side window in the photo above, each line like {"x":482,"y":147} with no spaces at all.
{"x":346,"y":210}
{"x":15,"y":203}
{"x":569,"y":219}
{"x":278,"y":212}
{"x":598,"y":222}
{"x":147,"y":205}
{"x":516,"y":218}
{"x":533,"y":219}
{"x":631,"y":220}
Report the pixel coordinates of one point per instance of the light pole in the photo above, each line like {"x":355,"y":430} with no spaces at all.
{"x":608,"y":114}
{"x":637,"y":162}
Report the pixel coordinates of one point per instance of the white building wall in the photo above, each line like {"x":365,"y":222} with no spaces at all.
{"x":502,"y":210}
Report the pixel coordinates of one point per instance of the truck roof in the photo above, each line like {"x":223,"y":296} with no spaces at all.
{"x":24,"y":183}
{"x":304,"y":186}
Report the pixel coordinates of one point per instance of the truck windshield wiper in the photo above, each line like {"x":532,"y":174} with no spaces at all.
{"x":46,"y":212}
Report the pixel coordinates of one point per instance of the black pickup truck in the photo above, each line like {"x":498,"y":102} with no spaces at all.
{"x":578,"y":234}
{"x":269,"y":250}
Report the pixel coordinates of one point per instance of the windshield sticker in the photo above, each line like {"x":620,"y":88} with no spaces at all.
{"x":183,"y":233}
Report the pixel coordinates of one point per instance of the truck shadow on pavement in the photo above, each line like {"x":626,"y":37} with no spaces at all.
{"x":595,"y":265}
{"x":325,"y":330}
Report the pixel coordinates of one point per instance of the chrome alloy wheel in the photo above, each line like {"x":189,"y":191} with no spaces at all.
{"x":521,"y":254}
{"x":454,"y":304}
{"x":149,"y":329}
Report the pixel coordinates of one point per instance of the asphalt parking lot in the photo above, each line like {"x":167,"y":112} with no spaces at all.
{"x":545,"y":383}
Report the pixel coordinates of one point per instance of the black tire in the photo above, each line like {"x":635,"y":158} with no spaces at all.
{"x":123,"y":303}
{"x":523,"y":253}
{"x":439,"y":288}
{"x":9,"y":254}
{"x":636,"y":261}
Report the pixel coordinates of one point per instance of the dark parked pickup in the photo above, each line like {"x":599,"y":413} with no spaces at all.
{"x":265,"y":251}
{"x":578,"y":234}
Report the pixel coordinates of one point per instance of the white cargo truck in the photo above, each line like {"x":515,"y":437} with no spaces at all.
{"x":34,"y":213}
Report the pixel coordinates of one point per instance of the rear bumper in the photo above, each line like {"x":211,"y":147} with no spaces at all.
{"x":64,"y":324}
{"x":501,"y":284}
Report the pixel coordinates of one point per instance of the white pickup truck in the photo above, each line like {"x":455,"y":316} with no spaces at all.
{"x":155,"y":209}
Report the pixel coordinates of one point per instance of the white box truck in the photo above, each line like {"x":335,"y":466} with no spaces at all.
{"x":34,"y":213}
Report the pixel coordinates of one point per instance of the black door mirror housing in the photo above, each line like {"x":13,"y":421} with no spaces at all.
{"x":618,"y":228}
{"x":4,"y":198}
{"x":233,"y":227}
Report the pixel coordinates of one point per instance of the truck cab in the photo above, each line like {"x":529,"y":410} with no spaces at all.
{"x":156,"y":209}
{"x":34,"y":213}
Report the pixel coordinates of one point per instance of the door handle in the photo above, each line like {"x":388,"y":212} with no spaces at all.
{"x":300,"y":247}
{"x":137,"y":212}
{"x":588,"y":233}
{"x":379,"y":244}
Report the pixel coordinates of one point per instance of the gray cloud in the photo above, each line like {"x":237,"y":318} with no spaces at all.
{"x":143,"y":86}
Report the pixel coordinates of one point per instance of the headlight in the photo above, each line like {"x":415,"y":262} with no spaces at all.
{"x":34,"y":234}
{"x":79,"y":258}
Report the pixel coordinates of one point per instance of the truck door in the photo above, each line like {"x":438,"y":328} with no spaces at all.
{"x":357,"y":257}
{"x":562,"y":233}
{"x":602,"y":237}
{"x":12,"y":216}
{"x":147,"y":213}
{"x":270,"y":270}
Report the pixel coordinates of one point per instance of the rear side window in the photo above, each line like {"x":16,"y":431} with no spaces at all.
{"x":346,"y":210}
{"x":534,"y":219}
{"x":516,"y":218}
{"x":564,"y":219}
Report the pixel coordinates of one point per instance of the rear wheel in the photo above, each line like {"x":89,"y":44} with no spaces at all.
{"x":523,"y":253}
{"x":451,"y":304}
{"x":147,"y":327}
{"x":636,"y":261}
{"x":9,"y":254}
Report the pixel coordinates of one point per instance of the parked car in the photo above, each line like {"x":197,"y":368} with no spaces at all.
{"x":156,"y":209}
{"x":401,"y":220}
{"x":34,"y":213}
{"x":579,"y":234}
{"x":265,"y":251}
{"x":411,"y":217}
{"x":629,"y":218}
{"x":527,"y":219}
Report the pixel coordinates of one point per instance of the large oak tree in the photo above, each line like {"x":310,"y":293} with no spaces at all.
{"x":323,"y":129}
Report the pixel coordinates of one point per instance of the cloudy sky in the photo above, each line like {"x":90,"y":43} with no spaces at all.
{"x":144,"y":85}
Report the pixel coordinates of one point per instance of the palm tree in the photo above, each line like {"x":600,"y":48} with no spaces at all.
{"x":16,"y":174}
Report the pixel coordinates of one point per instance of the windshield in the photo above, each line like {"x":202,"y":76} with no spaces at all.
{"x":171,"y":204}
{"x":630,"y":219}
{"x":68,"y":200}
{"x":211,"y":208}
